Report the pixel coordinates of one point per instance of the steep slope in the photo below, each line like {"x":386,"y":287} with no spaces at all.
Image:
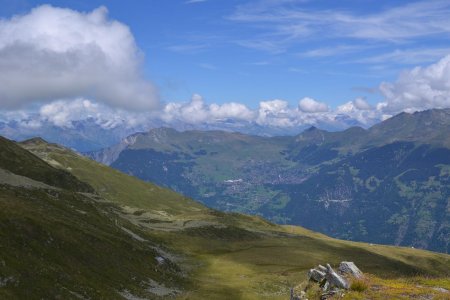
{"x":22,"y":162}
{"x":66,"y":244}
{"x":273,"y":176}
{"x":231,"y":256}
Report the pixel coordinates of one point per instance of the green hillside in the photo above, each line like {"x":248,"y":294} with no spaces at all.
{"x":232,"y":256}
{"x":22,"y":162}
{"x":62,"y":244}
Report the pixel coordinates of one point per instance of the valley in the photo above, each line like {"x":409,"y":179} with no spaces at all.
{"x":387,"y":184}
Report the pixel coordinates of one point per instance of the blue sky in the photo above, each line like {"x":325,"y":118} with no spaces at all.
{"x":250,"y":51}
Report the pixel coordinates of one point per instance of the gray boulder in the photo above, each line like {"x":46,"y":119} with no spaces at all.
{"x":349,"y":268}
{"x":335,"y":280}
{"x":322,"y":268}
{"x":316,"y":275}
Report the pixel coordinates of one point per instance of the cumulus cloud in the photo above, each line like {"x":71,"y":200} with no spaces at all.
{"x":272,"y":116}
{"x":310,"y":105}
{"x":418,"y":89}
{"x":360,"y":111}
{"x":196,"y":111}
{"x":358,"y":104}
{"x":64,"y":113}
{"x":275,"y":113}
{"x":53,"y":53}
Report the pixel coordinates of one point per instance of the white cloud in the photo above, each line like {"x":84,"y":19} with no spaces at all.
{"x":63,"y":113}
{"x":418,"y":89}
{"x":275,"y":113}
{"x":231,"y":111}
{"x":310,"y":105}
{"x":61,"y":53}
{"x":360,"y":111}
{"x":196,"y":111}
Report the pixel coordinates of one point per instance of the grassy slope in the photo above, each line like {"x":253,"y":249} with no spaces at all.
{"x":114,"y":185}
{"x":232,"y":256}
{"x":64,"y":244}
{"x":22,"y":162}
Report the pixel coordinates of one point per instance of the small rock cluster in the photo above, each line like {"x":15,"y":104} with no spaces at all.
{"x":330,"y":281}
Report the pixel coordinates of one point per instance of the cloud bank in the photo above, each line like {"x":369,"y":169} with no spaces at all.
{"x":53,"y":53}
{"x":417,"y":89}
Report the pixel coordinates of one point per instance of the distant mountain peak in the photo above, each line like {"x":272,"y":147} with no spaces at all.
{"x":312,"y":128}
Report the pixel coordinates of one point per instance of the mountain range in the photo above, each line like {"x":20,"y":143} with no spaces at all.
{"x":385,"y":184}
{"x":84,"y":135}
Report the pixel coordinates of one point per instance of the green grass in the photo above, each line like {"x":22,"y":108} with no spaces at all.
{"x":359,"y":285}
{"x":61,"y":244}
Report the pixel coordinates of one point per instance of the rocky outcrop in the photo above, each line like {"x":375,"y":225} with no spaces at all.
{"x":349,"y":268}
{"x":316,"y":275}
{"x":330,"y":282}
{"x":335,"y":280}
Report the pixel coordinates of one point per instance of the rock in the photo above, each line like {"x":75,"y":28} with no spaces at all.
{"x":294,"y":297}
{"x":160,"y":260}
{"x":316,"y":275}
{"x":335,"y":280}
{"x":348,"y":267}
{"x":322,"y":268}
